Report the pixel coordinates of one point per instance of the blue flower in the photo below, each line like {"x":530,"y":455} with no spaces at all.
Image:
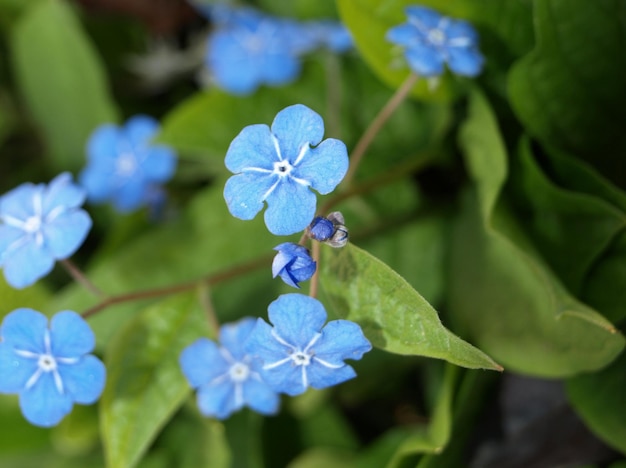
{"x":123,"y":166}
{"x":49,"y":368}
{"x":293,"y":264}
{"x":430,"y":40}
{"x":38,"y":225}
{"x":226,"y":377}
{"x":299,"y":351}
{"x":278,"y":166}
{"x":250,"y":49}
{"x":321,"y":229}
{"x":330,"y":230}
{"x":331,"y":34}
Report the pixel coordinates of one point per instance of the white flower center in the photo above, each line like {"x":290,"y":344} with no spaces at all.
{"x":32,"y":224}
{"x":47,"y":363}
{"x":301,"y":358}
{"x":282,"y":168}
{"x":239,"y":372}
{"x":436,"y":37}
{"x":126,"y":164}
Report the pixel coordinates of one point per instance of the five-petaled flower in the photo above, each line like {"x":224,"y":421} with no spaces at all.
{"x":278,"y":166}
{"x":299,"y":351}
{"x":40,"y":224}
{"x":226,"y":377}
{"x":430,"y":40}
{"x":49,"y":368}
{"x":123,"y":166}
{"x":293,"y":263}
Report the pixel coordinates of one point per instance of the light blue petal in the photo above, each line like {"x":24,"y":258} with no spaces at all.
{"x":218,"y":400}
{"x":234,"y":335}
{"x":233,"y":67}
{"x":465,"y":61}
{"x":160,"y":164}
{"x":295,"y":126}
{"x":42,"y":405}
{"x":18,"y":203}
{"x":286,"y":378}
{"x":102,"y":146}
{"x":290,"y":208}
{"x":27,"y":264}
{"x":244,"y":193}
{"x":281,"y":260}
{"x":405,"y":35}
{"x":297,"y":318}
{"x":201,"y":362}
{"x":279,"y":68}
{"x":260,"y":397}
{"x":424,"y":60}
{"x":323,"y":377}
{"x":66,"y":233}
{"x":263,"y":345}
{"x":140,"y":129}
{"x":252,"y":148}
{"x":24,"y":329}
{"x":461,"y":30}
{"x":84,"y":381}
{"x":10,"y":239}
{"x":324,"y":166}
{"x":341,"y":339}
{"x":14,"y":370}
{"x":62,"y":192}
{"x":70,"y":335}
{"x":423,"y":17}
{"x":98,"y":183}
{"x":130,"y":195}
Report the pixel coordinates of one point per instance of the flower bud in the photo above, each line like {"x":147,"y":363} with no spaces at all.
{"x":293,"y":263}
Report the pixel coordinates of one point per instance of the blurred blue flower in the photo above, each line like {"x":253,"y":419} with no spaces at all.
{"x":293,"y":263}
{"x":226,"y":377}
{"x":123,"y":166}
{"x":279,"y":166}
{"x":430,"y":40}
{"x":49,"y":368}
{"x":38,"y":225}
{"x":299,"y":351}
{"x":331,"y":34}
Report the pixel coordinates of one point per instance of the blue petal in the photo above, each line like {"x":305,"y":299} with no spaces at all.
{"x":260,"y":397}
{"x":295,"y":126}
{"x":18,"y":203}
{"x":160,"y":164}
{"x":202,"y":361}
{"x":252,"y":148}
{"x":14,"y":370}
{"x":234,"y":335}
{"x":303,"y":269}
{"x":10,"y":239}
{"x":42,"y":405}
{"x":341,"y":339}
{"x":290,"y":208}
{"x":324,"y":166}
{"x":465,"y":61}
{"x":323,"y":377}
{"x":130,"y":196}
{"x":27,"y":264}
{"x":289,"y":279}
{"x":66,"y":233}
{"x":461,"y":30}
{"x":286,"y":378}
{"x":405,"y":35}
{"x":424,"y":60}
{"x":262,"y":344}
{"x":244,"y":193}
{"x":97,"y":182}
{"x":297,"y":318}
{"x":84,"y":381}
{"x":25,"y":329}
{"x":61,"y":192}
{"x":281,"y":260}
{"x":423,"y":17}
{"x":232,"y":66}
{"x":218,"y":400}
{"x":70,"y":335}
{"x":279,"y":68}
{"x":140,"y":129}
{"x":102,"y":146}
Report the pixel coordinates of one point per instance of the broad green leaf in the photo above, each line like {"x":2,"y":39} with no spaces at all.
{"x":300,"y":9}
{"x":501,"y":291}
{"x":61,"y":79}
{"x":23,"y":438}
{"x":394,"y":316}
{"x":600,"y":400}
{"x":569,"y":92}
{"x":323,"y":456}
{"x":144,"y":383}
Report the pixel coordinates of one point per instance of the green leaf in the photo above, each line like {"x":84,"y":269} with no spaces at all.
{"x":569,"y":92}
{"x":501,"y":291}
{"x":599,"y":399}
{"x":35,"y":297}
{"x":62,"y":80}
{"x":144,"y":384}
{"x":394,"y":316}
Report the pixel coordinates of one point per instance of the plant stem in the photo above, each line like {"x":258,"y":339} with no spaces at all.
{"x":81,"y":278}
{"x":374,"y":127}
{"x":316,"y":276}
{"x":204,"y":294}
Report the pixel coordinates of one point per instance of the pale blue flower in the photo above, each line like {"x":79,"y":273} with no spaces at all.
{"x":293,"y":263}
{"x":300,"y":351}
{"x":330,"y":34}
{"x":124,"y":166}
{"x":431,"y":40}
{"x":40,"y":224}
{"x":279,"y":166}
{"x":226,"y":377}
{"x":49,"y":368}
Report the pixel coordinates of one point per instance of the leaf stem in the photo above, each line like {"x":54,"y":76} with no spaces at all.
{"x":315,"y":279}
{"x":81,"y":278}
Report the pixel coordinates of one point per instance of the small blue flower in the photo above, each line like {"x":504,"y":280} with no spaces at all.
{"x":331,"y":34}
{"x":49,"y":368}
{"x":123,"y":166}
{"x":226,"y":377}
{"x":321,"y":229}
{"x":293,"y":264}
{"x":40,"y":224}
{"x":299,"y":351}
{"x":278,"y":166}
{"x":430,"y":40}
